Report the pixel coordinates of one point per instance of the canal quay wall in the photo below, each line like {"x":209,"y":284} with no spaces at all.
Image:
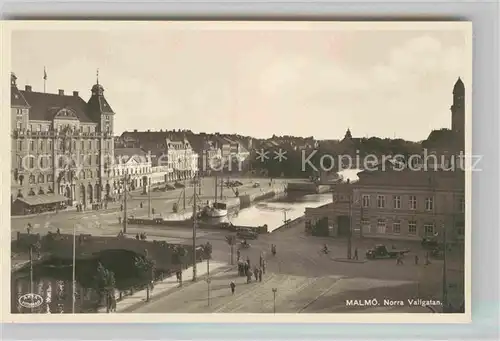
{"x":233,"y":204}
{"x":87,"y":246}
{"x":307,"y":188}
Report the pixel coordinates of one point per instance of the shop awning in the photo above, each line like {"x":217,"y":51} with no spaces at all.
{"x":42,"y":199}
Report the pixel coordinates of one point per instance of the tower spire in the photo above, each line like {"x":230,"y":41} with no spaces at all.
{"x":97,"y":75}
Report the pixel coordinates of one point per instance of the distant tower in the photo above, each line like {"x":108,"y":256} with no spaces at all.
{"x":458,"y":109}
{"x":348,"y":134}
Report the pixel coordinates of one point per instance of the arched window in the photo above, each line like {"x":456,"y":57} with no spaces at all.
{"x":50,"y":178}
{"x":40,"y":191}
{"x":31,"y":192}
{"x":50,"y":190}
{"x":41,"y":178}
{"x":82,"y":174}
{"x":32,"y":179}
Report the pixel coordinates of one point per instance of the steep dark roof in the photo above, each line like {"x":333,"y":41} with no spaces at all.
{"x":99,"y":104}
{"x":43,"y":105}
{"x":459,"y":87}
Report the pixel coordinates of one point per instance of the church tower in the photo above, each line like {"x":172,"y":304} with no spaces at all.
{"x":458,"y":109}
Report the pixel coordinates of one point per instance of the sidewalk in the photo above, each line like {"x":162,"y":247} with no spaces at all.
{"x":128,"y":303}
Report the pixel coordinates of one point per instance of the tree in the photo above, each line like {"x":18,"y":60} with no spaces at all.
{"x":146,"y":268}
{"x":104,"y":283}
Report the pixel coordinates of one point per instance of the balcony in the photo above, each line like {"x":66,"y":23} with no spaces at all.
{"x":55,"y":134}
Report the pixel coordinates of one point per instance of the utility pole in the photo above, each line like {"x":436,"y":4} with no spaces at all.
{"x":221,"y":187}
{"x":149,"y":198}
{"x":125,"y":193}
{"x":274,"y":299}
{"x":184,"y":194}
{"x":349,"y":235}
{"x":73,"y":283}
{"x":194,"y":232}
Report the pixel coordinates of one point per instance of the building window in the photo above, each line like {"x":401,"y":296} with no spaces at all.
{"x":32,"y":162}
{"x":41,"y":179}
{"x":74,"y":145}
{"x":381,"y":201}
{"x":462,"y":205}
{"x":413,"y":202}
{"x":31,"y":192}
{"x":39,"y":128}
{"x":397,"y":201}
{"x":460,"y":230}
{"x":32,"y":145}
{"x":366,"y":200}
{"x":19,"y":145}
{"x":429,"y":204}
{"x":50,"y":178}
{"x":90,"y":145}
{"x":381,"y":226}
{"x":396,"y":227}
{"x":20,"y":163}
{"x":429,"y":229}
{"x":412,"y":227}
{"x":41,"y":145}
{"x":49,"y":145}
{"x":32,"y":179}
{"x":82,"y":145}
{"x":365,"y":225}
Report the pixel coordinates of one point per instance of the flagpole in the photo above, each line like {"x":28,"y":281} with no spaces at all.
{"x":44,"y":80}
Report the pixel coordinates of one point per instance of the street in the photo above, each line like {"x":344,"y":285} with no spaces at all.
{"x":107,"y":219}
{"x":305,"y":279}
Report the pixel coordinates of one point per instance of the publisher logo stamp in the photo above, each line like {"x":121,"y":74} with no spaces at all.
{"x":30,"y":300}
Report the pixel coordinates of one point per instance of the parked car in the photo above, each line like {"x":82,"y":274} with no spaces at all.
{"x":179,"y":185}
{"x":380,"y":251}
{"x":256,"y":185}
{"x":247,"y":233}
{"x":170,"y":187}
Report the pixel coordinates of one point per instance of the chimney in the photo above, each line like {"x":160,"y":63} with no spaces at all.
{"x":149,"y":131}
{"x":28,"y":88}
{"x":75,"y":93}
{"x":61,"y":92}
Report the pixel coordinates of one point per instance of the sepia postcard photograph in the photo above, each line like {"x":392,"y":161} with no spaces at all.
{"x":236,"y":171}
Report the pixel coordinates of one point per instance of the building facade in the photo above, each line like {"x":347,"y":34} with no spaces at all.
{"x":60,"y":144}
{"x":134,"y":165}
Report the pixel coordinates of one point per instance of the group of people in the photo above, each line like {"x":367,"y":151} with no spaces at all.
{"x":245,"y":269}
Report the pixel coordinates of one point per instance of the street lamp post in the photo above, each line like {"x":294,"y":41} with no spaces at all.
{"x":125,"y":193}
{"x":73,"y":283}
{"x":274,"y":299}
{"x":208,"y":290}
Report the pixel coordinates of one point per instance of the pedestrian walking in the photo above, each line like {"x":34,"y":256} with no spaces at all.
{"x":399,"y":260}
{"x":248,"y":261}
{"x":137,"y":236}
{"x":264,"y":267}
{"x":260,"y":275}
{"x":427,"y":260}
{"x":356,"y":253}
{"x":256,"y":273}
{"x":121,"y":207}
{"x":119,"y":220}
{"x":233,"y":287}
{"x":141,"y":204}
{"x":416,"y":259}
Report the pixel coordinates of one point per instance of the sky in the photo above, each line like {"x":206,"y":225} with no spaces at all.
{"x":257,"y":80}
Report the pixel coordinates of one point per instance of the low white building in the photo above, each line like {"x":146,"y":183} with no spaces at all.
{"x":133,"y":163}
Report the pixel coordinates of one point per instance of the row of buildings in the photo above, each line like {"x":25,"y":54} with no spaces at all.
{"x":412,"y":203}
{"x":64,"y":147}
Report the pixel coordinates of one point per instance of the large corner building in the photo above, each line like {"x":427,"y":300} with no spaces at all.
{"x":61,"y":145}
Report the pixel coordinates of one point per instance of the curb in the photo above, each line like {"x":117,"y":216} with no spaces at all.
{"x":186,"y":284}
{"x":346,"y":260}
